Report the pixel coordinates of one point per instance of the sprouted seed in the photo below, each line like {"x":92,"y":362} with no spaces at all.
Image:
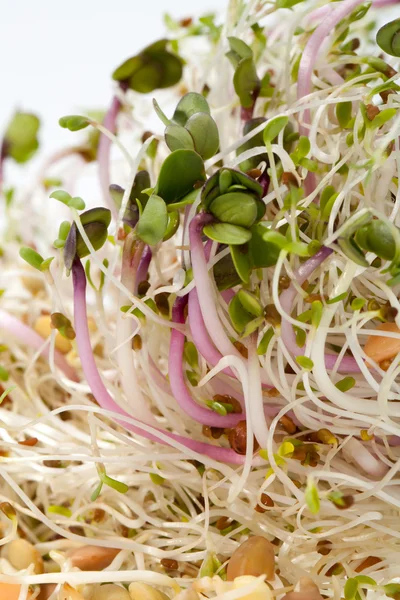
{"x":199,"y":369}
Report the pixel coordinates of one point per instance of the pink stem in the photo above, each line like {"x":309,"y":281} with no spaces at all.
{"x":103,"y":153}
{"x":177,"y":381}
{"x":347,"y":364}
{"x":29,"y":337}
{"x":311,"y":51}
{"x":143,"y":266}
{"x":103,"y":397}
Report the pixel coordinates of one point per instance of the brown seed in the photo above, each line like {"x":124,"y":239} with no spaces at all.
{"x":53,"y":464}
{"x":324,"y":547}
{"x":314,"y":297}
{"x":226,"y":399}
{"x":29,"y":442}
{"x":289,"y":178}
{"x":284,"y":282}
{"x":308,"y":591}
{"x":254,"y":173}
{"x":146,"y":136}
{"x":92,"y":558}
{"x":212,"y":432}
{"x":143,"y":288}
{"x":380,"y":348}
{"x":288,"y":424}
{"x":170,"y":564}
{"x":99,"y":515}
{"x":385,"y":364}
{"x":271,"y":315}
{"x":122,"y":235}
{"x":254,"y":557}
{"x":186,"y":22}
{"x":368,"y":562}
{"x":371,"y":111}
{"x":266,"y":501}
{"x":237,"y":438}
{"x":335,"y":569}
{"x":273,"y":393}
{"x":222,"y":523}
{"x":137,"y":342}
{"x":162,"y":303}
{"x":242,"y":349}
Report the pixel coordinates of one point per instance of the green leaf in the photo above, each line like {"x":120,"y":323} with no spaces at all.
{"x":305,"y":362}
{"x":20,"y":138}
{"x":345,"y":384}
{"x":96,"y":492}
{"x":301,"y":150}
{"x":177,"y":137}
{"x":189,"y":105}
{"x":4,"y":375}
{"x":350,"y":589}
{"x":392,"y":590}
{"x":263,"y":253}
{"x":364,"y":579}
{"x":242,"y":261}
{"x":6,"y":393}
{"x":316,"y":313}
{"x":265,"y":340}
{"x":204,"y":132}
{"x":225,"y":273}
{"x":384,"y":116}
{"x":161,"y":115}
{"x":56,"y":509}
{"x":273,"y":128}
{"x":31,"y":257}
{"x":188,"y":199}
{"x":191,"y":355}
{"x":225,"y":233}
{"x":61,"y":196}
{"x":96,"y":215}
{"x":153,"y":223}
{"x":343,"y":113}
{"x":238,"y":51}
{"x":246,"y":82}
{"x":388,"y":38}
{"x":250,"y":303}
{"x":74,"y":122}
{"x":157,"y":479}
{"x":352,"y":251}
{"x":358,"y":303}
{"x":235,"y":208}
{"x":172,"y":225}
{"x":252,"y":326}
{"x":311,"y":496}
{"x":77,"y":203}
{"x":189,"y":165}
{"x":239,"y":316}
{"x":376,"y":237}
{"x":120,"y":487}
{"x":46,"y":263}
{"x":287,"y":3}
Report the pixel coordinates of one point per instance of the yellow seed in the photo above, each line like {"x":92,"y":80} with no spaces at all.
{"x":92,"y":558}
{"x":380,"y":348}
{"x":110,"y":591}
{"x":261,"y":592}
{"x":254,"y":557}
{"x":22,"y":554}
{"x":43,"y":327}
{"x":143,"y":591}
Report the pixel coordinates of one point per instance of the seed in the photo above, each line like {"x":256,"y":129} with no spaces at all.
{"x":110,"y":591}
{"x":137,"y":342}
{"x":222,"y":523}
{"x":371,"y":111}
{"x":29,"y":442}
{"x":368,"y":562}
{"x":238,"y":438}
{"x":98,"y":515}
{"x":380,"y":348}
{"x":308,"y":591}
{"x":385,"y":364}
{"x":186,"y":22}
{"x":254,"y":557}
{"x":46,"y":590}
{"x":162,"y":303}
{"x":324,"y":547}
{"x":146,"y":136}
{"x":265,"y":501}
{"x":272,"y":315}
{"x":326,"y":437}
{"x":212,"y":432}
{"x":226,"y":399}
{"x":254,"y":173}
{"x":143,"y":288}
{"x":92,"y":558}
{"x":42,"y":326}
{"x":170,"y":564}
{"x":314,"y":297}
{"x":242,"y":349}
{"x":289,"y":178}
{"x":22,"y":553}
{"x":284,"y":282}
{"x":288,"y":424}
{"x":142,"y":591}
{"x":335,"y":569}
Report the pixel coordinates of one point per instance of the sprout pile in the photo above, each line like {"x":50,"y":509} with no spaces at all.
{"x":199,"y":364}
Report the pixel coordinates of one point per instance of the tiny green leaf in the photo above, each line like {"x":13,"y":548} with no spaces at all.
{"x":4,"y":375}
{"x":388,"y":38}
{"x":6,"y":393}
{"x":392,"y":590}
{"x":343,"y":113}
{"x":190,"y":167}
{"x":74,"y":122}
{"x":204,"y":131}
{"x":177,"y":137}
{"x":352,"y":251}
{"x":273,"y":128}
{"x":316,"y":313}
{"x":61,"y":196}
{"x":358,"y":303}
{"x":120,"y":487}
{"x":242,"y":261}
{"x":365,"y":580}
{"x":191,"y":355}
{"x":263,"y":253}
{"x":172,"y":224}
{"x":20,"y":138}
{"x":239,"y":316}
{"x":225,"y":233}
{"x":265,"y":340}
{"x":235,"y":208}
{"x":246,"y":82}
{"x":311,"y":497}
{"x":189,"y":105}
{"x":345,"y":384}
{"x":32,"y":257}
{"x":250,"y":302}
{"x":77,"y":203}
{"x":305,"y":362}
{"x":350,"y":589}
{"x":153,"y":222}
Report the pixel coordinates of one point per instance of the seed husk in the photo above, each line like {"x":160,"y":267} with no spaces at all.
{"x":92,"y":558}
{"x":254,"y":557}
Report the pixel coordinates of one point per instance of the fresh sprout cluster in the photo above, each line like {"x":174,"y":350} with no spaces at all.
{"x":200,"y":375}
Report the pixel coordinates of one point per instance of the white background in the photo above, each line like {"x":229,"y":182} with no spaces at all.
{"x":56,"y":57}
